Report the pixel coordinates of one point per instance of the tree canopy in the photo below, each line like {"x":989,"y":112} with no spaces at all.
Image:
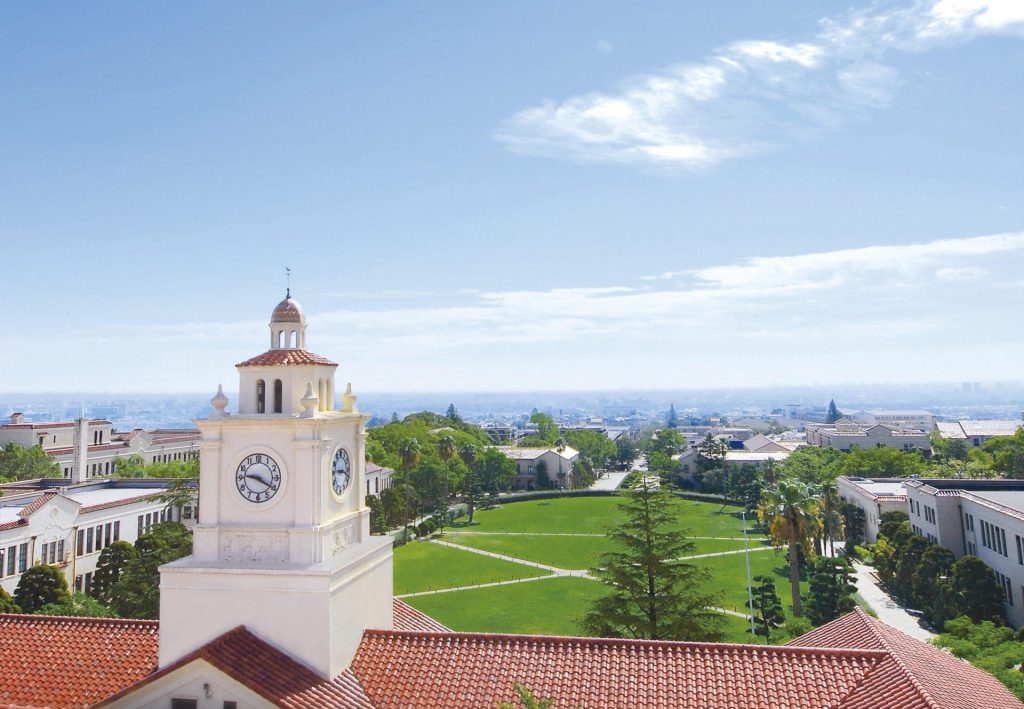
{"x":17,"y":463}
{"x":651,"y":593}
{"x":40,"y":585}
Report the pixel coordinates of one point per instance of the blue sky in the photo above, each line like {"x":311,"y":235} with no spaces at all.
{"x":528,"y":195}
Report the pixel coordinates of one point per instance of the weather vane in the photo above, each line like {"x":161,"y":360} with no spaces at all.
{"x":288,"y":278}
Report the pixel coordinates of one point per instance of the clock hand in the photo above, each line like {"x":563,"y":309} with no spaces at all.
{"x":257,"y":477}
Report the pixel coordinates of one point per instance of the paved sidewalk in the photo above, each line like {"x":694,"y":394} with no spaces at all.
{"x":609,"y":481}
{"x":553,"y":569}
{"x":888,"y":609}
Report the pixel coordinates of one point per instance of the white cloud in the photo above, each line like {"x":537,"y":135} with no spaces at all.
{"x":898,"y":309}
{"x":605,"y":47}
{"x":753,"y":95}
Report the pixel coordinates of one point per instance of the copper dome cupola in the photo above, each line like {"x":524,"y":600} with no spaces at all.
{"x":288,"y":325}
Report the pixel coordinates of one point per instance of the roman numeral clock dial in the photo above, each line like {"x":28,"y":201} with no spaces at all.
{"x":258,"y":477}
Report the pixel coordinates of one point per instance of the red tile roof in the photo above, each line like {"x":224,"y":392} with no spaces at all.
{"x":270,"y":673}
{"x":37,"y":504}
{"x":272,"y":358}
{"x":418,"y":669}
{"x":48,"y":661}
{"x":408,"y":618}
{"x":920,"y":674}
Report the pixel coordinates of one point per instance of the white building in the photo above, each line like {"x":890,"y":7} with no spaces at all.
{"x":984,"y":518}
{"x":847,"y":433}
{"x":975,"y":433}
{"x":898,"y":418}
{"x":378,"y":479}
{"x":559,"y":462}
{"x":733,"y":459}
{"x":875,"y":497}
{"x":87,"y":449}
{"x":70,"y":525}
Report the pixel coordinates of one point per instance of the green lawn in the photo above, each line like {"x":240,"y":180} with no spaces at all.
{"x":568,"y":552}
{"x":729,"y":575}
{"x":546,"y":607}
{"x":592,"y":515}
{"x":422,"y":566}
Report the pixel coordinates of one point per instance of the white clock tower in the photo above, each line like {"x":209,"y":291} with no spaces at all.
{"x":283,"y":541}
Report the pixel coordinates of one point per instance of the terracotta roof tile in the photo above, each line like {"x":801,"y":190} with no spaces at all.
{"x":420,"y":669}
{"x":272,"y":358}
{"x":408,"y":618}
{"x":37,"y":504}
{"x":269,"y":672}
{"x":48,"y":661}
{"x":938,"y":678}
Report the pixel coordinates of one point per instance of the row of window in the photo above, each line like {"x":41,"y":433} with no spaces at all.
{"x":261,"y":396}
{"x":52,"y":552}
{"x":1007,"y":586}
{"x":110,"y":466}
{"x":149,"y":519}
{"x":993,"y":537}
{"x":92,"y":539}
{"x":388,"y":484}
{"x":14,"y":560}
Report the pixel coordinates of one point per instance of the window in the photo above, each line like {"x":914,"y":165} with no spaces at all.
{"x":78,"y":584}
{"x":80,"y":548}
{"x":230,"y":705}
{"x":88,"y":541}
{"x":2,"y":563}
{"x":117,"y":531}
{"x":11,"y":559}
{"x":261,"y":396}
{"x":60,"y":551}
{"x":972,"y":550}
{"x":140,"y":525}
{"x":184,"y":704}
{"x":22,"y":557}
{"x":278,"y":396}
{"x":1020,"y":549}
{"x":1005,"y":584}
{"x":88,"y":582}
{"x":970,"y":522}
{"x":108,"y":530}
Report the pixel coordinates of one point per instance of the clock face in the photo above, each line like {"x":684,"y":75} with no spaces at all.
{"x":258,"y":477}
{"x":341,"y":471}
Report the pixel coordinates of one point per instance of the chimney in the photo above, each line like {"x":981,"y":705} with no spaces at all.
{"x":79,"y":471}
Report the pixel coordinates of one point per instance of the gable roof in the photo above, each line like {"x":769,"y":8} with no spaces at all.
{"x":52,"y":661}
{"x":267,"y":671}
{"x":915,"y":675}
{"x":403,"y":669}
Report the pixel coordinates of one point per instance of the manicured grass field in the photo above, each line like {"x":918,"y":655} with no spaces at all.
{"x":568,"y":552}
{"x":593,"y":515}
{"x":729,"y":576}
{"x":422,"y":566}
{"x":555,"y":606}
{"x":545,"y":607}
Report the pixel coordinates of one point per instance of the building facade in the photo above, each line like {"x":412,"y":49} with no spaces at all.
{"x":874,"y":497}
{"x":846,"y":434}
{"x":559,"y":464}
{"x":69,"y":525}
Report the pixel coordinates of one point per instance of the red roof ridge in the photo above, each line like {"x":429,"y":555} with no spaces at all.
{"x":80,"y":620}
{"x":627,"y":642}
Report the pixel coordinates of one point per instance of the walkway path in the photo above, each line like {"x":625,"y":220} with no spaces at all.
{"x":556,"y":572}
{"x":888,"y":609}
{"x":609,"y":481}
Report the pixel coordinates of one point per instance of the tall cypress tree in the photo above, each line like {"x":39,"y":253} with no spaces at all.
{"x":834,"y":414}
{"x":651,"y":593}
{"x":672,"y":421}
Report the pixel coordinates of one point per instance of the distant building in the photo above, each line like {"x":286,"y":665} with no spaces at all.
{"x":86,"y":449}
{"x":378,"y":478}
{"x":875,"y":497}
{"x":912,"y":418}
{"x":560,"y":464}
{"x":845,"y":433}
{"x":975,"y":433}
{"x":735,"y":459}
{"x":50,"y":522}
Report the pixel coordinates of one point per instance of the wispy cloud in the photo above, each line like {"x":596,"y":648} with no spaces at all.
{"x":891,"y":306}
{"x":754,"y":95}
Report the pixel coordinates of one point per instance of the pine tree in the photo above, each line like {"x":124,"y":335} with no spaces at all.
{"x":672,"y":421}
{"x":768,"y":611}
{"x":831,"y":590}
{"x":834,"y":414}
{"x":452,"y":413}
{"x":974,"y":591}
{"x":108,"y":569}
{"x":40,"y":585}
{"x":651,"y":593}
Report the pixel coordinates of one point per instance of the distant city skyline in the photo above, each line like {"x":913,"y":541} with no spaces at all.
{"x":509,"y":197}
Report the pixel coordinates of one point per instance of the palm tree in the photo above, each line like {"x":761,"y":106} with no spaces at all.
{"x":831,"y":512}
{"x":445,"y":451}
{"x":409,"y":453}
{"x":789,"y":509}
{"x":468,"y":452}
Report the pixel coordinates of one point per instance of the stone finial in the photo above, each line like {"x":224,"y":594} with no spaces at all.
{"x":309,"y":401}
{"x":219,"y":403}
{"x":348,"y":400}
